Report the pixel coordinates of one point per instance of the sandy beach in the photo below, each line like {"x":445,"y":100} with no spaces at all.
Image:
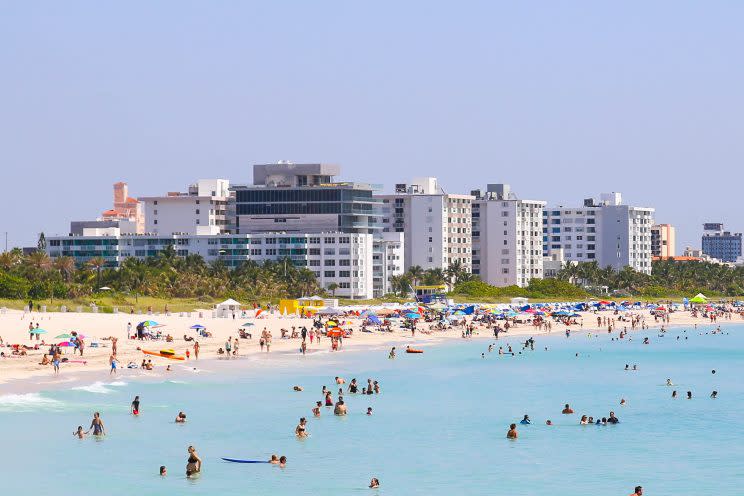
{"x":20,"y":374}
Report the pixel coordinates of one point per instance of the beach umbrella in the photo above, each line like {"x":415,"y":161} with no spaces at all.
{"x":332,"y":323}
{"x":37,"y":331}
{"x":248,"y":324}
{"x":148,"y":323}
{"x":65,"y":343}
{"x":63,"y":336}
{"x":374,"y":319}
{"x":412,"y":315}
{"x":197,"y":326}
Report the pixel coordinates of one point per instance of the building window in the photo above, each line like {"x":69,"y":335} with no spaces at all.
{"x":329,"y":273}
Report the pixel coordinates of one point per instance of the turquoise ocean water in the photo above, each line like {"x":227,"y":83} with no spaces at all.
{"x":438,"y":427}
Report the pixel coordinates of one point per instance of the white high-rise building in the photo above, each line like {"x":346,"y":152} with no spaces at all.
{"x":608,"y":232}
{"x":387,"y":261}
{"x":507,"y":237}
{"x":436,"y":225}
{"x":344,"y":259}
{"x":201,"y":210}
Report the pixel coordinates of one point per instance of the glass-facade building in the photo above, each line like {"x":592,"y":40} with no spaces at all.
{"x":345,"y":207}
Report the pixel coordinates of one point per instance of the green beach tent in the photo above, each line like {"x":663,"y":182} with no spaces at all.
{"x":699,"y":298}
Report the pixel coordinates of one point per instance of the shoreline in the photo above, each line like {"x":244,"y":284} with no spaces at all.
{"x":22,"y":375}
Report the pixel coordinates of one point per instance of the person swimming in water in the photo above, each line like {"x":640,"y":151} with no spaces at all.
{"x":163,"y":471}
{"x":282,"y":461}
{"x":392,"y":353}
{"x":674,"y":394}
{"x":135,"y":406}
{"x":181,"y":418}
{"x":567,"y":410}
{"x":512,"y":432}
{"x":353,"y":386}
{"x":369,"y":410}
{"x":301,"y":429}
{"x":526,"y":420}
{"x":374,"y":483}
{"x":689,"y":395}
{"x":274,"y":460}
{"x":316,"y":410}
{"x":714,"y":394}
{"x":79,"y":432}
{"x":340,"y":408}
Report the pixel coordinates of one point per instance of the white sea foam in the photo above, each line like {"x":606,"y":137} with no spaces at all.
{"x":27,"y":401}
{"x":117,"y":383}
{"x":97,"y":387}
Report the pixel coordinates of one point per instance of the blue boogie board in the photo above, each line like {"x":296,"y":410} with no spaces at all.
{"x":235,"y":460}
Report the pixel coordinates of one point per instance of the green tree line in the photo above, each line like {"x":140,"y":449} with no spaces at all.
{"x":37,"y":276}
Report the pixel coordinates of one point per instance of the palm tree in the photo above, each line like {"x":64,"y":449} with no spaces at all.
{"x":416,"y":273}
{"x":9,"y":259}
{"x":39,"y":260}
{"x":65,"y":266}
{"x":97,"y":263}
{"x":332,"y":288}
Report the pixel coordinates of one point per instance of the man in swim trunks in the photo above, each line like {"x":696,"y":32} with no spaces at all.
{"x":135,"y":405}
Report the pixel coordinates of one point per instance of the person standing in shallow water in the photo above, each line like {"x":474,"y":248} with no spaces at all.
{"x":512,"y":432}
{"x":96,"y":425}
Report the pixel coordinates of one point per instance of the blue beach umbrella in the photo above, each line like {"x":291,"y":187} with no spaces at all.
{"x":197,"y":326}
{"x":412,"y":315}
{"x":148,"y":323}
{"x":37,"y":331}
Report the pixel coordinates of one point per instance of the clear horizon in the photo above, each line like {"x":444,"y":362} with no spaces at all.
{"x":563,"y":102}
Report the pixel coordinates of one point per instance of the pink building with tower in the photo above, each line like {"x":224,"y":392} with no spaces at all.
{"x":126,"y":208}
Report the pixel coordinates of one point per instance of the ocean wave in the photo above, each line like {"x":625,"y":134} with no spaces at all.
{"x":97,"y":387}
{"x":27,"y":402}
{"x":118,"y":383}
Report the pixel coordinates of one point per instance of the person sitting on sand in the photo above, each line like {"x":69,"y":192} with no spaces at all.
{"x":512,"y":432}
{"x":374,"y":483}
{"x":567,"y":410}
{"x":181,"y":418}
{"x":45,"y":360}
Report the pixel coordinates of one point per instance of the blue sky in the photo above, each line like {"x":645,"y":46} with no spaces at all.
{"x":563,"y":100}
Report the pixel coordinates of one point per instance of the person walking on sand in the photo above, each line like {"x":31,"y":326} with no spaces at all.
{"x":112,"y":361}
{"x":196,"y":350}
{"x":114,"y":342}
{"x":268,"y":341}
